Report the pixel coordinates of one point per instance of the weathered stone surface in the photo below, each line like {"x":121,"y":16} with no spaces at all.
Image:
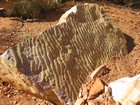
{"x":54,"y":65}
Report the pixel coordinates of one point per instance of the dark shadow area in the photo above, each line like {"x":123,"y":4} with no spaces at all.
{"x":52,"y":15}
{"x":2,"y":12}
{"x":119,"y":2}
{"x":130,"y":43}
{"x":133,"y":4}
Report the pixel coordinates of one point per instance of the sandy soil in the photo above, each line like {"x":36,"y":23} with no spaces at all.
{"x":15,"y":30}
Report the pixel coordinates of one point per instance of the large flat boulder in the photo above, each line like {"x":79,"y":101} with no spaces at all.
{"x":53,"y":65}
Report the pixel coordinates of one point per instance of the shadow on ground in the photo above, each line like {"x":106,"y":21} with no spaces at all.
{"x":130,"y":42}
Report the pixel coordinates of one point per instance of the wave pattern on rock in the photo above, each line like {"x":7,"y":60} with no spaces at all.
{"x":53,"y":65}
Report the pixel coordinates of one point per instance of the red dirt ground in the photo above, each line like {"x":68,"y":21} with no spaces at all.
{"x":15,"y":30}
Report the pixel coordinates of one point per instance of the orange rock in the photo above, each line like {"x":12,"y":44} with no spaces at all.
{"x":79,"y":101}
{"x":96,"y":88}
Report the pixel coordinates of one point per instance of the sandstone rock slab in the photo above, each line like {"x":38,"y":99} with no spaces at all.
{"x":53,"y":65}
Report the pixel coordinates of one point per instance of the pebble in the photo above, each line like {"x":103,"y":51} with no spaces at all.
{"x":138,"y":13}
{"x":8,"y":95}
{"x":16,"y":91}
{"x":15,"y":102}
{"x":91,"y":102}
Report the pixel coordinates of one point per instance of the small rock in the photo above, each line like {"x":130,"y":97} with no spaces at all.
{"x":107,"y":91}
{"x":138,"y":13}
{"x":5,"y":83}
{"x":96,"y":88}
{"x":112,"y":102}
{"x":118,"y":103}
{"x":15,"y":102}
{"x":79,"y":101}
{"x":8,"y":95}
{"x":80,"y":93}
{"x":33,"y":98}
{"x":5,"y":89}
{"x":16,"y":91}
{"x":91,"y":102}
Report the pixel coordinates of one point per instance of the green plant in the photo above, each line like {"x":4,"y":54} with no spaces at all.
{"x":25,"y":9}
{"x":32,"y":8}
{"x":132,"y":3}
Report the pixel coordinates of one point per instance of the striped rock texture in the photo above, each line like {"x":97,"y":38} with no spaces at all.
{"x":53,"y":65}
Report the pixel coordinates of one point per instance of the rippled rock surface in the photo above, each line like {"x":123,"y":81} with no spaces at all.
{"x":53,"y":65}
